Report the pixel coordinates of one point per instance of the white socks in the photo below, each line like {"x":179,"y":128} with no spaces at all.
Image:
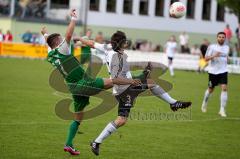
{"x":205,"y":99}
{"x":160,"y":93}
{"x":107,"y":131}
{"x":171,"y":70}
{"x":223,"y":99}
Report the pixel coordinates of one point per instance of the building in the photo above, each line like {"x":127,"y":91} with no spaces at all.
{"x":203,"y":16}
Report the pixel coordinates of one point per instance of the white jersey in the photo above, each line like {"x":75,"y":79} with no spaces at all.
{"x":218,"y":64}
{"x":117,"y":66}
{"x":171,"y":48}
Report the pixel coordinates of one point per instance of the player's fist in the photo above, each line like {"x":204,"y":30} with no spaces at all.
{"x":136,"y":82}
{"x":73,"y":13}
{"x":44,"y":30}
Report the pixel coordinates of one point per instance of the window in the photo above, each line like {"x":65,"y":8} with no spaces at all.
{"x":190,"y":8}
{"x":220,"y":13}
{"x":159,"y":8}
{"x":206,"y":12}
{"x":172,"y":1}
{"x":94,"y":5}
{"x":59,"y":4}
{"x":143,"y":7}
{"x":111,"y":5}
{"x":127,"y":6}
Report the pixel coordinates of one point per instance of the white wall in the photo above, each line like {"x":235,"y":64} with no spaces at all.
{"x":165,"y":23}
{"x":136,"y":21}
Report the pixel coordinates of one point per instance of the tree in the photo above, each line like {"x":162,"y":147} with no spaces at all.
{"x":233,"y":5}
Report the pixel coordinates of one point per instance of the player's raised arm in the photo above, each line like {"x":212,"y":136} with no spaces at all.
{"x":87,"y":42}
{"x":71,"y":26}
{"x":44,"y":32}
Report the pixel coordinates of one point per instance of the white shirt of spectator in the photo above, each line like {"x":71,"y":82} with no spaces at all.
{"x":113,"y":66}
{"x":218,"y":64}
{"x":171,"y":48}
{"x":183,"y":39}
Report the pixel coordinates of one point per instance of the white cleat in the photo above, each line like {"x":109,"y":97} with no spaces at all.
{"x":204,"y":109}
{"x":222,"y":114}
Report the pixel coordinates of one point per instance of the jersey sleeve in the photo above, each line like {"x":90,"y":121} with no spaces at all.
{"x":100,"y":47}
{"x":64,"y":48}
{"x":209,"y":51}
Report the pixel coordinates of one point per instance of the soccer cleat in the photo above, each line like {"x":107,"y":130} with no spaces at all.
{"x":95,"y":147}
{"x":222,"y":113}
{"x":204,"y":109}
{"x":180,"y":105}
{"x":71,"y":150}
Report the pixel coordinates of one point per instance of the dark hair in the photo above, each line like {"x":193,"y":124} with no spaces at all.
{"x":51,"y":40}
{"x":221,"y":33}
{"x":117,"y":40}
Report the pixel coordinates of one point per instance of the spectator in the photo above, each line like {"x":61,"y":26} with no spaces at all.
{"x":1,"y":36}
{"x":8,"y":37}
{"x":183,"y":40}
{"x":235,"y":54}
{"x":204,"y":47}
{"x":27,"y":36}
{"x":4,"y":7}
{"x":99,"y":38}
{"x":238,"y":34}
{"x":195,"y":50}
{"x":170,"y":50}
{"x":228,"y":33}
{"x":23,"y":4}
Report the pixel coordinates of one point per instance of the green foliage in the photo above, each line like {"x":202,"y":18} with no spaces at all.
{"x":233,"y":5}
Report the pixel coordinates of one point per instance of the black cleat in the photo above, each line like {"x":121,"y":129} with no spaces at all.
{"x":95,"y":147}
{"x":180,"y":105}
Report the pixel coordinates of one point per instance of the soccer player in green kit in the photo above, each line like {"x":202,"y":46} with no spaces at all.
{"x":80,"y":84}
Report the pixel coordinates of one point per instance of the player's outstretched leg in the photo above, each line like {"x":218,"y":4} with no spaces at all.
{"x":159,"y":92}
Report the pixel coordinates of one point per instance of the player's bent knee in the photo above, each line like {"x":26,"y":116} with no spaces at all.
{"x":121,"y":121}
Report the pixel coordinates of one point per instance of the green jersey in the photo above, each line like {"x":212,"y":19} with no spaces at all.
{"x":63,"y":59}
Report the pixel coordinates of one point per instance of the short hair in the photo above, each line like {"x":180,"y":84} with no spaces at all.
{"x":221,"y":33}
{"x":51,"y":40}
{"x":117,"y":40}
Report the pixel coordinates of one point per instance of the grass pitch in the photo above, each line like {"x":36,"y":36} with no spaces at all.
{"x":29,"y":127}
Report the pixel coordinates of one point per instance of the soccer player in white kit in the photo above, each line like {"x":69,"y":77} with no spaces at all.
{"x":170,"y":49}
{"x":118,"y":66}
{"x":217,"y":55}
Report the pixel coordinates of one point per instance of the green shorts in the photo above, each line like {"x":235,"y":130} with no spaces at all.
{"x":83,"y":89}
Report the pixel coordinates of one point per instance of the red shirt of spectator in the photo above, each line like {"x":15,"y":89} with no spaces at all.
{"x":228,"y":32}
{"x":8,"y":37}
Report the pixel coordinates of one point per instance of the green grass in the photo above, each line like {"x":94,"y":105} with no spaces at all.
{"x":29,"y":127}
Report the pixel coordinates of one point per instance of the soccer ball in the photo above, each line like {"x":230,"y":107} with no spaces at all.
{"x":177,"y":10}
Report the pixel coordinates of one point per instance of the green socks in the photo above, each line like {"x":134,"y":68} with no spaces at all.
{"x":72,"y":132}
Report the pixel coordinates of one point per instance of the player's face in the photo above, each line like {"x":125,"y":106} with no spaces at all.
{"x":221,"y":39}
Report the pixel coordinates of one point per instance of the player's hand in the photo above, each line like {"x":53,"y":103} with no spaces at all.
{"x":217,"y":54}
{"x":136,"y":82}
{"x":44,"y":30}
{"x":73,"y":13}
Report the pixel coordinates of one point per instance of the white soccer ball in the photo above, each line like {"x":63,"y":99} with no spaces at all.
{"x":177,"y":10}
